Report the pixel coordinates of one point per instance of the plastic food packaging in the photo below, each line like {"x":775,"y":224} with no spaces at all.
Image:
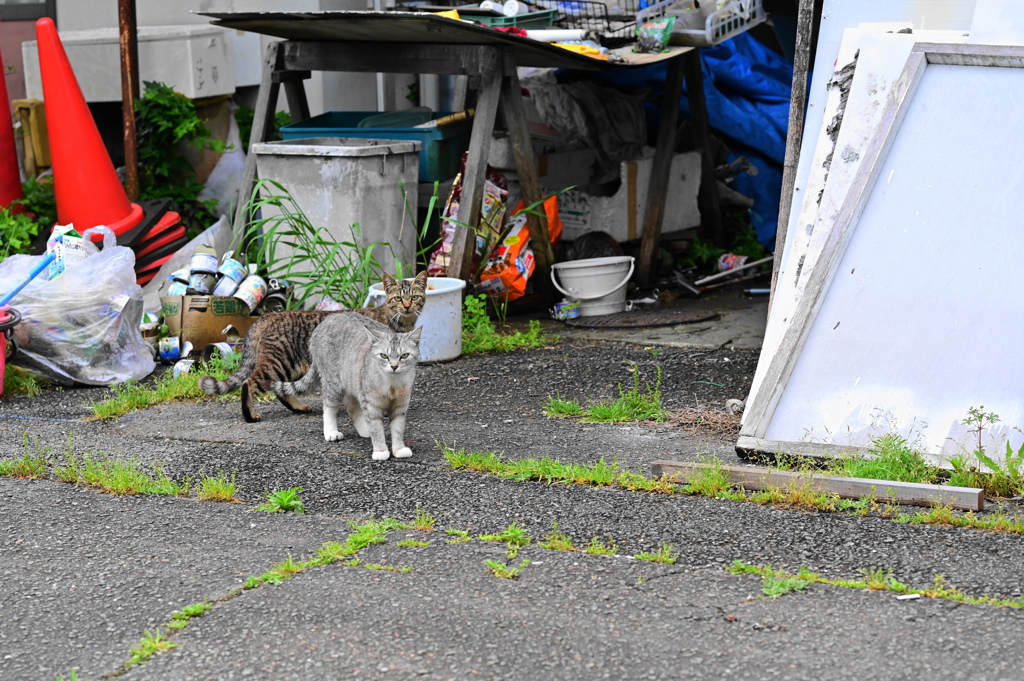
{"x":652,"y":36}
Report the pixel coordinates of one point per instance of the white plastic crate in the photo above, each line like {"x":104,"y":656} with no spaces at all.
{"x":727,"y":20}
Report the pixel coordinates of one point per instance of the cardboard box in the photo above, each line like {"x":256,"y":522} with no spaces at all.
{"x":202,"y":320}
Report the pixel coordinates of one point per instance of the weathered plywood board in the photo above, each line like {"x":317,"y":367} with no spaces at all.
{"x":880,"y":59}
{"x":898,"y":324}
{"x":838,"y":15}
{"x":911,"y":493}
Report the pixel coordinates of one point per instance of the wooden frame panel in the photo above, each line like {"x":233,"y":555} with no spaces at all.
{"x":764,"y":408}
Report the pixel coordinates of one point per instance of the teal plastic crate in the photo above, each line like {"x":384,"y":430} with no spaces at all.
{"x":540,"y":19}
{"x":442,"y":147}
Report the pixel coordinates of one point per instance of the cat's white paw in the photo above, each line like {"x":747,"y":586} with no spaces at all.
{"x":403,"y":453}
{"x":381,"y":456}
{"x":333,"y":437}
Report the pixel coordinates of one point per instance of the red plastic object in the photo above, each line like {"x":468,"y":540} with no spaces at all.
{"x":169,"y":219}
{"x":162,"y":239}
{"x":89,"y":193}
{"x":10,"y":176}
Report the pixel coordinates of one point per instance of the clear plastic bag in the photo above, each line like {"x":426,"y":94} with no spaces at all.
{"x":82,"y":326}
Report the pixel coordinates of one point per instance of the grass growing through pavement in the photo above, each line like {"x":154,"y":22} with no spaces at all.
{"x":283,"y":501}
{"x":133,"y":396}
{"x":779,"y":582}
{"x":513,"y":535}
{"x":219,"y":488}
{"x":662,"y":555}
{"x":499,"y":569}
{"x":26,"y":467}
{"x":631,"y":405}
{"x":114,"y":475}
{"x":480,"y":335}
{"x":118,"y":476}
{"x":557,"y":541}
{"x":713,"y":484}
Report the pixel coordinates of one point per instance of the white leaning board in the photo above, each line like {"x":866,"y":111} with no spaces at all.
{"x":912,"y":316}
{"x":880,"y":60}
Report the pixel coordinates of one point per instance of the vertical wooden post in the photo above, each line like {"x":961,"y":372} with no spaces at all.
{"x":707,"y":196}
{"x":661,"y":166}
{"x":262,"y":123}
{"x":529,"y":182}
{"x":129,"y":93}
{"x":464,"y":244}
{"x":794,"y":132}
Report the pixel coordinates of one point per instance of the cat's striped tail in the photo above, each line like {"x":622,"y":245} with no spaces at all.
{"x":247,"y":365}
{"x":306,"y":384}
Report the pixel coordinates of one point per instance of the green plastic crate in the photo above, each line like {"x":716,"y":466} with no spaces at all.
{"x":539,"y":19}
{"x":442,"y":147}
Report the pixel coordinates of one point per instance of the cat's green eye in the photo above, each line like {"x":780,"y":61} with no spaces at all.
{"x":405,"y":355}
{"x":384,"y":355}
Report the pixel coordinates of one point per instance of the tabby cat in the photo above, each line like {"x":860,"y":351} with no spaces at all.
{"x":276,"y":348}
{"x":367,"y":367}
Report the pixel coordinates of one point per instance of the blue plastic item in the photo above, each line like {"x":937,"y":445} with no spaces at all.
{"x":442,"y":147}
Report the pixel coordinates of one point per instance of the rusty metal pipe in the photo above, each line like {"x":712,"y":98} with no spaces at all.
{"x":129,"y":93}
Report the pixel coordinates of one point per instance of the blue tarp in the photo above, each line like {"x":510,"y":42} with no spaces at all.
{"x":747,"y":88}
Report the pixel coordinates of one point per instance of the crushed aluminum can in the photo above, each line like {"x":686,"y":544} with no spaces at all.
{"x":171,"y":349}
{"x":232,"y":269}
{"x":251,"y":291}
{"x":182,"y":366}
{"x":214,"y":349}
{"x":567,"y":309}
{"x":201,"y":282}
{"x":204,"y":260}
{"x":225,"y":287}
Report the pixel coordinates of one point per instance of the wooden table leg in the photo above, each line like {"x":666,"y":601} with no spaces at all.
{"x":464,"y":243}
{"x":294,"y":92}
{"x":707,"y":196}
{"x":661,"y":166}
{"x":262,"y":123}
{"x":529,"y":182}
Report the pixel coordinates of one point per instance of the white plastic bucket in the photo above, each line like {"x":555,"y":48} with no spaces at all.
{"x":598,"y":283}
{"x":441,"y":318}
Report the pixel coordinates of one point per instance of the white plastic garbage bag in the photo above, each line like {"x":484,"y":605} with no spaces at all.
{"x":82,"y":326}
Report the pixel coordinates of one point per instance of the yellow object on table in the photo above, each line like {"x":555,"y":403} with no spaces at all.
{"x":578,"y":49}
{"x":451,"y":14}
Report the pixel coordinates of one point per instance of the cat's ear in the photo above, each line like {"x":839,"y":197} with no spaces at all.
{"x":421,"y":280}
{"x":414,"y":335}
{"x":374,"y":334}
{"x":389,"y":281}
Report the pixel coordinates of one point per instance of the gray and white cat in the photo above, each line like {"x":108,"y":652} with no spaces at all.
{"x":369,"y":368}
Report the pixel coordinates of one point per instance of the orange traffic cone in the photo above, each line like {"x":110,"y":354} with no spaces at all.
{"x":10,"y":176}
{"x":88,"y":190}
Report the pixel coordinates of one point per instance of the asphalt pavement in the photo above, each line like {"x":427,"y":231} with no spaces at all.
{"x":87,"y":575}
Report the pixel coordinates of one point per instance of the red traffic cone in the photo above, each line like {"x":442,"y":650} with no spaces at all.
{"x":88,"y":190}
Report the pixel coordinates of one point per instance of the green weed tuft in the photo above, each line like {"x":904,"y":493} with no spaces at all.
{"x":283,"y":501}
{"x":480,"y":335}
{"x":662,"y":555}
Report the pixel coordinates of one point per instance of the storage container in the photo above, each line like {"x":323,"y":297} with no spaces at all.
{"x":338,"y":182}
{"x":442,"y":147}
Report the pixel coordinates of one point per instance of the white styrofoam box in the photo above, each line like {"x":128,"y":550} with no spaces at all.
{"x":622,"y":214}
{"x":196,"y":60}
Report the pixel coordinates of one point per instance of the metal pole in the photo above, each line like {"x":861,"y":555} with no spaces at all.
{"x":129,"y":93}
